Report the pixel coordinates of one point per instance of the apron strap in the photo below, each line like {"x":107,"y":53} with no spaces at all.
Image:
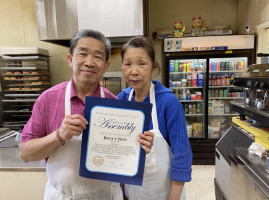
{"x":155,"y":123}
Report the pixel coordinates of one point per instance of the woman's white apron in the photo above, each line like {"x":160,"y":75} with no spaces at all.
{"x":62,"y":168}
{"x":156,"y":181}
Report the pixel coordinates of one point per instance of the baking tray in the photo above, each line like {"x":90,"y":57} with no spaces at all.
{"x":23,"y":51}
{"x":24,"y":80}
{"x":19,"y":100}
{"x":24,"y":68}
{"x":25,"y":58}
{"x":19,"y":75}
{"x":32,"y":90}
{"x":19,"y":85}
{"x":21,"y":95}
{"x":17,"y":111}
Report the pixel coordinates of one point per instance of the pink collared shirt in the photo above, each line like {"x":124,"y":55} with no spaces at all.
{"x":49,"y":110}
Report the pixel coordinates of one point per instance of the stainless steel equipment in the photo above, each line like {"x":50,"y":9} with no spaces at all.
{"x":25,"y":74}
{"x":249,"y":179}
{"x":239,"y":174}
{"x":59,"y":20}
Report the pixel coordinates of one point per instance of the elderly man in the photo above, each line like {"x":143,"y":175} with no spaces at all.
{"x":54,"y":130}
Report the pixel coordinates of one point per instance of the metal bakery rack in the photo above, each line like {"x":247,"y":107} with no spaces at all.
{"x":25,"y":74}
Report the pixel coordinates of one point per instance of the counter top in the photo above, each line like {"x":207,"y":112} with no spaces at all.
{"x":10,"y":161}
{"x":255,"y":164}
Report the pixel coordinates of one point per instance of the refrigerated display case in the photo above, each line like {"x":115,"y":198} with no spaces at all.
{"x":202,"y":82}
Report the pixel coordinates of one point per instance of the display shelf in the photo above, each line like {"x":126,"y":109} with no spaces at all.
{"x":226,"y":98}
{"x":194,"y":115}
{"x":221,"y":86}
{"x":226,"y":71}
{"x":181,"y":88}
{"x":192,"y":72}
{"x":224,"y":115}
{"x":186,"y":101}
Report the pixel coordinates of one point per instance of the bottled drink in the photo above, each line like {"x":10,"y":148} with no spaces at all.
{"x":194,"y":80}
{"x":194,"y":108}
{"x":198,"y":108}
{"x":210,"y":80}
{"x":188,"y":94}
{"x":176,"y":66}
{"x":190,"y":109}
{"x":172,"y":66}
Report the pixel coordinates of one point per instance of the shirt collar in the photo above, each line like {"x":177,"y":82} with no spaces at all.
{"x":74,"y":93}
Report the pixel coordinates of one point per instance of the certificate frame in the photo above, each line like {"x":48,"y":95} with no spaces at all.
{"x":98,"y":141}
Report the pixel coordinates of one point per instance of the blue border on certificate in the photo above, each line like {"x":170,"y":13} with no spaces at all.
{"x":93,"y":102}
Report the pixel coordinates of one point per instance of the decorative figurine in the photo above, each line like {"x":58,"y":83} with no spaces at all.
{"x":198,"y":26}
{"x":179,"y":29}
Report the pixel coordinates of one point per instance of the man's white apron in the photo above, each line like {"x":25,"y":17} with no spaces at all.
{"x":156,"y":181}
{"x":62,"y":168}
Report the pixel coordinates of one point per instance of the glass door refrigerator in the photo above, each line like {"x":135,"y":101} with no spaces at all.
{"x":202,"y":80}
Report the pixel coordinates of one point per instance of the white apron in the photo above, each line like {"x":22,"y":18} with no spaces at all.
{"x":64,"y":182}
{"x":156,"y":181}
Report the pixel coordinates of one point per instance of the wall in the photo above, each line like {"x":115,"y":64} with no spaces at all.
{"x":215,"y":12}
{"x":253,"y":13}
{"x":19,"y":29}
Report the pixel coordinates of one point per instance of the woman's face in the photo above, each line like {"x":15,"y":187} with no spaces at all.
{"x":137,"y":68}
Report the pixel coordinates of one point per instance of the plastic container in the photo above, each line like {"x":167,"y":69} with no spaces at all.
{"x":189,"y":131}
{"x":213,"y":132}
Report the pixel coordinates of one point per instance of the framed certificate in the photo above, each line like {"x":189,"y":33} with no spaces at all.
{"x":110,"y":150}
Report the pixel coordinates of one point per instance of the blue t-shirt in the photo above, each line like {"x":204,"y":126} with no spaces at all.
{"x":172,"y":125}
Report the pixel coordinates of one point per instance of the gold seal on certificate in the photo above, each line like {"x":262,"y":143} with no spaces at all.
{"x":110,"y":149}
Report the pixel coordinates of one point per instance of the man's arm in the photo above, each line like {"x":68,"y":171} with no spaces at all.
{"x":176,"y":190}
{"x":40,"y":148}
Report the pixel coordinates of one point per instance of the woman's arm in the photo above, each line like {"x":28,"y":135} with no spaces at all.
{"x":176,"y":190}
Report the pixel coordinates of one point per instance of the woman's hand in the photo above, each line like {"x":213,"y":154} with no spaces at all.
{"x":146,"y":140}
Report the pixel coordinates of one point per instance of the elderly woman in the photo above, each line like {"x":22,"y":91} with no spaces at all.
{"x":168,"y":165}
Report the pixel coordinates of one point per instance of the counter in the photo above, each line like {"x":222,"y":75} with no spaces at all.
{"x":10,"y":161}
{"x":19,"y":178}
{"x":249,"y":180}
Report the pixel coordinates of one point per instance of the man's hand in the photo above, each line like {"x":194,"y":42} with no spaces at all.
{"x":146,"y":140}
{"x":72,"y":125}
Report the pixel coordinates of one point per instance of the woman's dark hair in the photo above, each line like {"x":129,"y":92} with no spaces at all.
{"x":89,"y":33}
{"x":140,"y":42}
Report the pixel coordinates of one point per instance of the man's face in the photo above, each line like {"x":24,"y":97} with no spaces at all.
{"x":88,"y":61}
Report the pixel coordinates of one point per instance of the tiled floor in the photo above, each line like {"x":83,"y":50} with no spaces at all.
{"x":202,"y":185}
